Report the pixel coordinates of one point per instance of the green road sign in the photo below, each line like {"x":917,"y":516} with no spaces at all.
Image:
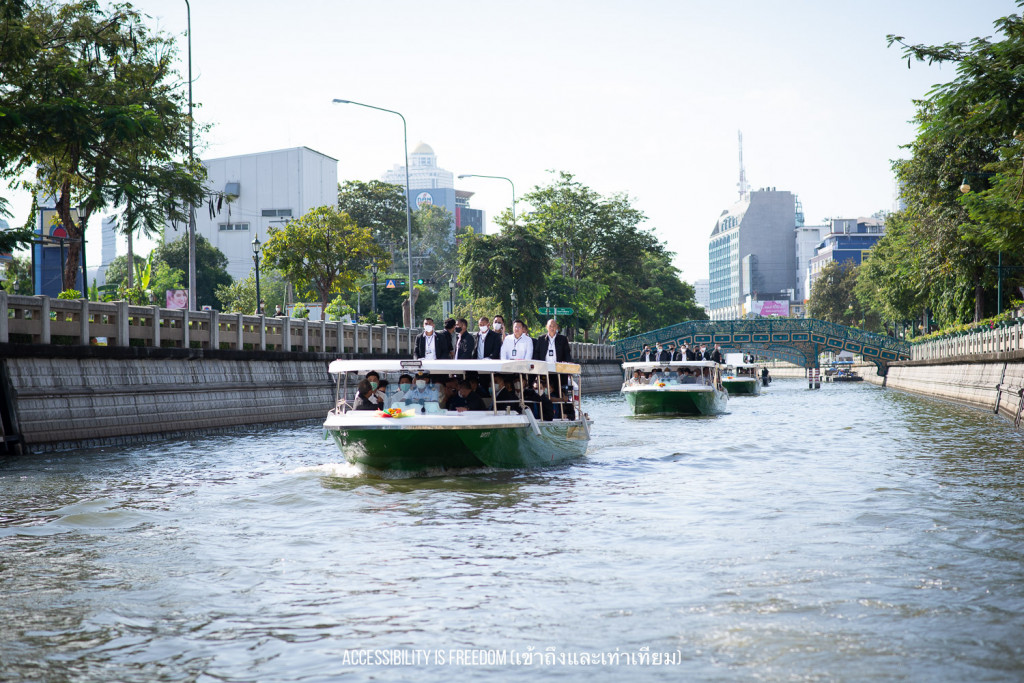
{"x":563,"y":311}
{"x":554,"y":311}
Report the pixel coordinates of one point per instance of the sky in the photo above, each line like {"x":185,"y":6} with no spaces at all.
{"x":643,"y":97}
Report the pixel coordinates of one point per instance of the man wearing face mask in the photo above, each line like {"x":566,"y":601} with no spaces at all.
{"x":499,"y":326}
{"x":664,"y":355}
{"x":465,"y":343}
{"x":488,"y":343}
{"x":404,"y":387}
{"x":518,"y":345}
{"x":431,"y":345}
{"x":422,"y":391}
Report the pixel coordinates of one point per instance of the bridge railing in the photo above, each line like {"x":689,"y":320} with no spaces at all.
{"x":43,"y":320}
{"x":1000,"y":339}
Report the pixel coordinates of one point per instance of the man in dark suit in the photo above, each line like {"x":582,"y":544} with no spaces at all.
{"x":646,"y":356}
{"x":465,"y":344}
{"x":552,"y":347}
{"x":431,"y":345}
{"x":449,"y":329}
{"x":488,"y":343}
{"x":677,"y":354}
{"x":689,"y":353}
{"x":716,"y":354}
{"x":664,"y":355}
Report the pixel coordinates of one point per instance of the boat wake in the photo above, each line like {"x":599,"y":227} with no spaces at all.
{"x":347,"y":470}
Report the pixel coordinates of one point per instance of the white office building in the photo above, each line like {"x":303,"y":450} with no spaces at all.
{"x":268,"y":189}
{"x":807,"y":239}
{"x":702,"y":293}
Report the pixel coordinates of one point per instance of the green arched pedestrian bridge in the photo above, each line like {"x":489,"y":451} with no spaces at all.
{"x":796,"y":340}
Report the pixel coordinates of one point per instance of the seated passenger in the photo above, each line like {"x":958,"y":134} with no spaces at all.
{"x":366,"y":397}
{"x":450,"y":390}
{"x":541,"y":400}
{"x":634,"y":380}
{"x":421,"y":393}
{"x":466,"y":398}
{"x":404,"y":387}
{"x":505,"y":396}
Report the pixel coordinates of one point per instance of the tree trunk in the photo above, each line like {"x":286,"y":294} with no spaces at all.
{"x":70,"y":273}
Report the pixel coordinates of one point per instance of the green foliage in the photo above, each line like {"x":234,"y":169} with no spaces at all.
{"x":71,"y":294}
{"x":833,"y":298}
{"x":300,"y":311}
{"x":437,"y":243}
{"x":380,"y":207}
{"x":240,"y":296}
{"x":323,"y":251}
{"x":91,"y":100}
{"x":338,"y":309}
{"x":18,"y":277}
{"x":516,"y":259}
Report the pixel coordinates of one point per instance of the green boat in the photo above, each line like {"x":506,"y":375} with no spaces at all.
{"x":676,"y":388}
{"x":422,"y":437}
{"x":739,"y":378}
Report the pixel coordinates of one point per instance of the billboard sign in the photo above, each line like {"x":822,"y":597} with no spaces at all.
{"x":764,"y":309}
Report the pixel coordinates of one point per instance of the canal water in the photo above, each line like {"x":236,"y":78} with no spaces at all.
{"x":850,"y":533}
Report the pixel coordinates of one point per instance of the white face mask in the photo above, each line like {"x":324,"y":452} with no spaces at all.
{"x":497,"y":326}
{"x":483,"y":328}
{"x":428,"y":328}
{"x":421,"y":383}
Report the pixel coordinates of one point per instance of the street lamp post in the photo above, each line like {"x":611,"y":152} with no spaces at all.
{"x":256,"y":260}
{"x":408,"y":200}
{"x":373,"y":298}
{"x":191,"y":160}
{"x":451,"y":295}
{"x":498,"y":177}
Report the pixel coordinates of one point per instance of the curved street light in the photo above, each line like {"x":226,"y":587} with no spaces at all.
{"x":408,"y":199}
{"x":256,"y":260}
{"x":497,"y":177}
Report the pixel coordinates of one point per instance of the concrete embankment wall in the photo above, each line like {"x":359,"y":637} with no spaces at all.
{"x":993,"y":382}
{"x":55,"y":398}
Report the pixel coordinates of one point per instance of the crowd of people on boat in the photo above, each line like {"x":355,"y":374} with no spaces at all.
{"x":473,"y":391}
{"x":490,"y":341}
{"x":671,"y":376}
{"x":667,"y":354}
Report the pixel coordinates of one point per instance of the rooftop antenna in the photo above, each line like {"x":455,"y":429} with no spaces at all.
{"x":742,"y":184}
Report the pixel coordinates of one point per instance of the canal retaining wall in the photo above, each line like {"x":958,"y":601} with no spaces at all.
{"x":993,"y":381}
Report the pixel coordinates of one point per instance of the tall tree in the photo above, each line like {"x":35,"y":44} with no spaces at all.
{"x":380,"y":207}
{"x":516,"y":259}
{"x":90,"y":98}
{"x":832,"y":295}
{"x":323,"y":251}
{"x":437,"y":244}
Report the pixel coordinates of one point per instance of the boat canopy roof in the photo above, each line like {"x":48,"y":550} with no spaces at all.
{"x":651,"y":366}
{"x":533,"y":367}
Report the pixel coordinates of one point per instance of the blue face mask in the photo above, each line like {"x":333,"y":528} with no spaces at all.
{"x":405,"y":387}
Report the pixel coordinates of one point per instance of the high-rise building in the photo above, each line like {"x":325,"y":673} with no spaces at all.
{"x":750,"y":253}
{"x":808,"y":237}
{"x":700,"y":292}
{"x":847,"y":241}
{"x":430,"y":184}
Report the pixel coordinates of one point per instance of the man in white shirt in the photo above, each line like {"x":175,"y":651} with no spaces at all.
{"x":518,"y":345}
{"x":488,"y":343}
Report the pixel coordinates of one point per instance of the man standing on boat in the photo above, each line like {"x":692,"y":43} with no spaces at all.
{"x":465,"y":344}
{"x":664,"y":355}
{"x":488,"y":344}
{"x":431,"y":345}
{"x":552,"y":347}
{"x":518,"y":345}
{"x":646,"y":356}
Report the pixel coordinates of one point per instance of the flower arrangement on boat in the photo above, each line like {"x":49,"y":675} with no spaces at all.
{"x":394,"y":412}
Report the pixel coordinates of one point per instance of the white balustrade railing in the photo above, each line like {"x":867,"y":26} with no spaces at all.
{"x":999,"y":339}
{"x":42,"y":320}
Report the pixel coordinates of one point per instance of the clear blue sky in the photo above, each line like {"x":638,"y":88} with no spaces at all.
{"x":643,"y":97}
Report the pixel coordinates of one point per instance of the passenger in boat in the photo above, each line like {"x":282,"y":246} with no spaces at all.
{"x":634,"y":380}
{"x":716,"y":354}
{"x":449,"y":329}
{"x":466,"y":398}
{"x":422,"y":391}
{"x":518,"y":345}
{"x":646,"y":356}
{"x":552,"y":347}
{"x":663,"y":354}
{"x":366,"y":397}
{"x":375,"y":383}
{"x":690,"y":353}
{"x":499,"y":328}
{"x":677,"y":354}
{"x":465,"y":343}
{"x":505,"y":396}
{"x":432,"y":345}
{"x":449,"y":390}
{"x":544,"y":405}
{"x":488,"y":343}
{"x":687,"y":377}
{"x":404,"y":387}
